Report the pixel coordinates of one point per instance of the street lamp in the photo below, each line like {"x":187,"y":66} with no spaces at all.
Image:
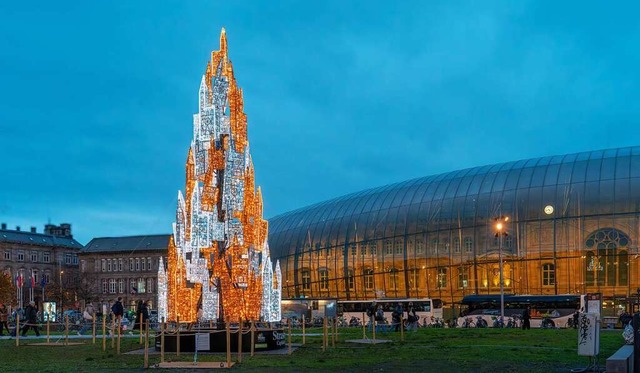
{"x":501,"y":232}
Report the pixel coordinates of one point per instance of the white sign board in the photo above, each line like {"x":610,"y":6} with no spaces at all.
{"x":593,"y":306}
{"x":588,"y":335}
{"x":202,"y":341}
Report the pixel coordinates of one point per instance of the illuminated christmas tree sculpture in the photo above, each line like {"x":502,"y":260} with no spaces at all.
{"x":218,"y":255}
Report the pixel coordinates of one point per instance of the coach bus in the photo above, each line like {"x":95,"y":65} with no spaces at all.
{"x":548,"y":311}
{"x":428,"y":310}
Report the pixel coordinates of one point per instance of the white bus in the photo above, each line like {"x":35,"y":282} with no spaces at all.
{"x":428,"y":310}
{"x":547,"y":311}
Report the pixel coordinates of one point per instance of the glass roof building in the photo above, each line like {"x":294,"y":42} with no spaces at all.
{"x":573,"y":227}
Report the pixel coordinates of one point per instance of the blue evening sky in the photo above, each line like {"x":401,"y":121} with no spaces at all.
{"x":96,"y":98}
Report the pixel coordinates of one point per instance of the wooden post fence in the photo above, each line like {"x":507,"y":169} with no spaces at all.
{"x":304,"y":337}
{"x":240,"y":342}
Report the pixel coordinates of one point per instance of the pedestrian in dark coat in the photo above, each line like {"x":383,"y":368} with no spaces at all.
{"x":526,"y":316}
{"x":31,"y":314}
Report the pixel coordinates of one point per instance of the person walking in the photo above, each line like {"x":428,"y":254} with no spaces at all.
{"x":396,"y":317}
{"x":4,"y":317}
{"x":412,"y":317}
{"x":371,"y":313}
{"x":87,"y":316}
{"x":31,"y":314}
{"x":118,"y":311}
{"x":526,"y":316}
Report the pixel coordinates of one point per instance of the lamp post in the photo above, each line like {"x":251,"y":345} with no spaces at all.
{"x":500,"y":232}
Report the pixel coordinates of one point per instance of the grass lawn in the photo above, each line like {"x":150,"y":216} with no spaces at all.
{"x":427,"y":350}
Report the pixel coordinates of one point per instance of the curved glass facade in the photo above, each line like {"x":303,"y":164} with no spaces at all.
{"x":573,"y":228}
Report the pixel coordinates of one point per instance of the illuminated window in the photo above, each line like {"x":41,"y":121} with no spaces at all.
{"x":414,"y":277}
{"x":463,"y":277}
{"x":442,"y":278}
{"x":141,"y":285}
{"x":368,"y":279}
{"x":548,"y":274}
{"x":324,"y":279}
{"x":393,"y":278}
{"x":306,"y":279}
{"x":607,"y":260}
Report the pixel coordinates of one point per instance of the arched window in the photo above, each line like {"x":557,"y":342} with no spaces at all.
{"x":606,"y":264}
{"x":548,"y":274}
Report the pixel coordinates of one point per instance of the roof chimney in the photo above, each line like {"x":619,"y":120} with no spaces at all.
{"x":18,"y":228}
{"x":33,"y":229}
{"x":3,"y":226}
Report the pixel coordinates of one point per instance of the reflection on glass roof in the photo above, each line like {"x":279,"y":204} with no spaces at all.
{"x":603,"y":181}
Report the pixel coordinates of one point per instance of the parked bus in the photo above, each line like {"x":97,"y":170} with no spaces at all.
{"x":426,"y":308}
{"x":547,"y":311}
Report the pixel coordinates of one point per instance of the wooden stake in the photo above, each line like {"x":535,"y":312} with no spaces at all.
{"x":253,"y":337}
{"x":364,"y":327}
{"x":146,"y":346}
{"x":289,"y":327}
{"x":333,"y":332}
{"x":113,"y":332}
{"x":374,"y":330}
{"x":118,"y":344}
{"x":324,"y":333}
{"x":178,"y":337}
{"x":93,"y":333}
{"x":228,"y":345}
{"x":48,"y":318}
{"x":304,"y":337}
{"x":140,"y":323}
{"x":17,"y":329}
{"x":104,"y":332}
{"x":162,"y":329}
{"x":240,"y":343}
{"x":66,"y":331}
{"x":402,"y":328}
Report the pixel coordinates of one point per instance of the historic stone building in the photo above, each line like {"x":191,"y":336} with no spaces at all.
{"x":124,"y":267}
{"x":34,"y":259}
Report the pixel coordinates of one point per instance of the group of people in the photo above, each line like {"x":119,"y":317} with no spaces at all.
{"x":30,"y":317}
{"x":376,"y":313}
